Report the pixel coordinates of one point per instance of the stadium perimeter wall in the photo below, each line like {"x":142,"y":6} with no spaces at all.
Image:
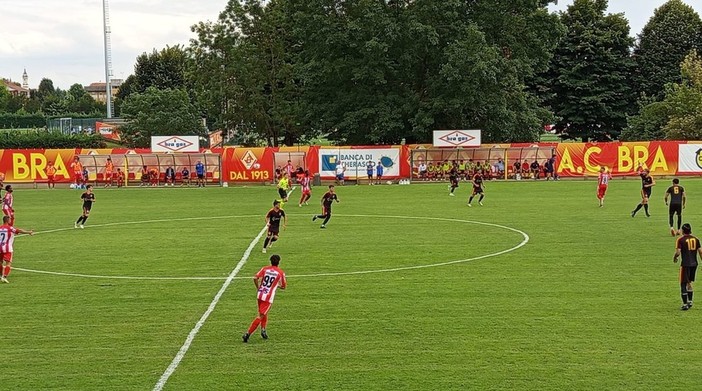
{"x":239,"y":164}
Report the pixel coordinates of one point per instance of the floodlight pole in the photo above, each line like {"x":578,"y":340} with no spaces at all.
{"x":108,"y":58}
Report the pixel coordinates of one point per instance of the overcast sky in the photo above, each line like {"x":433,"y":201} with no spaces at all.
{"x":62,"y":39}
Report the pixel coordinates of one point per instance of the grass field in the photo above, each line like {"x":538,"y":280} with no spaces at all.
{"x":591,"y":302}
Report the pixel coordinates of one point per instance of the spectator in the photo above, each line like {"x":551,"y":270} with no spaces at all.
{"x":423,"y":171}
{"x":517,"y":167}
{"x":535,"y":169}
{"x":170,"y":176}
{"x":500,"y":168}
{"x":85,"y":177}
{"x":550,"y":169}
{"x":185,"y":173}
{"x":200,"y":171}
{"x":379,"y":171}
{"x":525,"y":169}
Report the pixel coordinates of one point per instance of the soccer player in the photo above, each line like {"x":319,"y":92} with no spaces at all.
{"x":369,"y":171}
{"x":602,"y":182}
{"x":7,"y":237}
{"x":647,"y":183}
{"x":306,"y":189}
{"x":109,"y":169}
{"x":267,"y":281}
{"x":477,"y":189}
{"x":120,"y":177}
{"x":677,"y":204}
{"x":687,"y":247}
{"x":327,"y":199}
{"x":185,"y":173}
{"x":145,"y":176}
{"x":453,"y":178}
{"x":88,"y":198}
{"x":283,"y":186}
{"x":77,"y":167}
{"x":7,"y":201}
{"x":50,"y":174}
{"x":273,"y":218}
{"x":379,"y":171}
{"x":170,"y":176}
{"x":200,"y":171}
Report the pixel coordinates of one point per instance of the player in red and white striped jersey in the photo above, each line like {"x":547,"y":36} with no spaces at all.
{"x":7,"y":202}
{"x":7,"y":238}
{"x":305,"y":182}
{"x":602,"y":182}
{"x":267,"y":281}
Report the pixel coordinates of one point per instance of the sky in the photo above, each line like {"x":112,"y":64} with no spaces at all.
{"x":62,"y":39}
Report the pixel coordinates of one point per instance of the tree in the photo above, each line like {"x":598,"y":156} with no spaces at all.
{"x":46,"y":88}
{"x":591,"y":73}
{"x":685,"y":101}
{"x":4,"y":97}
{"x":159,"y":113}
{"x":673,"y":31}
{"x":160,"y":69}
{"x":648,"y":123}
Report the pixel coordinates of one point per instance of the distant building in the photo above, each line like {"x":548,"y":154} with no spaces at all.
{"x":97,"y":90}
{"x":17,"y":89}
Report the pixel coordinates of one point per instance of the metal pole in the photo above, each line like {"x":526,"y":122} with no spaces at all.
{"x":108,"y":73}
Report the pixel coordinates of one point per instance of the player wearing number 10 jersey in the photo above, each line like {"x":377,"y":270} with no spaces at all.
{"x":602,"y":182}
{"x":267,"y":281}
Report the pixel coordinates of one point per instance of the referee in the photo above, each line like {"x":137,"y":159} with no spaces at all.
{"x":677,"y":204}
{"x":687,"y":247}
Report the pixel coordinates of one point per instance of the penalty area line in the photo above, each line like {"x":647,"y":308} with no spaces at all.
{"x":193,"y":333}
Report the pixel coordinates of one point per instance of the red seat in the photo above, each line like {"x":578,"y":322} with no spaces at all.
{"x":100,"y":177}
{"x":131,"y":176}
{"x":193,"y":175}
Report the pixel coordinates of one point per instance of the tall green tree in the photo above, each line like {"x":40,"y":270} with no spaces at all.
{"x":46,"y":88}
{"x":160,"y":69}
{"x":590,"y":73}
{"x":159,"y":113}
{"x":685,"y":101}
{"x":672,"y":32}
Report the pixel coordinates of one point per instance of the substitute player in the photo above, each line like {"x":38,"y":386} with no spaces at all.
{"x":88,"y":198}
{"x":267,"y":281}
{"x":327,"y":199}
{"x":7,"y":237}
{"x":306,"y":189}
{"x":77,"y":167}
{"x":602,"y":183}
{"x":7,"y":204}
{"x":273,"y":218}
{"x":50,"y":175}
{"x":677,"y":204}
{"x":687,"y":247}
{"x":109,"y":172}
{"x":477,"y":189}
{"x":647,"y":183}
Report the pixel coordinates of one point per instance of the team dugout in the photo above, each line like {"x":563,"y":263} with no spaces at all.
{"x":492,"y":163}
{"x":133,"y":164}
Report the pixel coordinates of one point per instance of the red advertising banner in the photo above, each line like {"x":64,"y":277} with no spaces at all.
{"x":107,"y":131}
{"x":247,"y":164}
{"x":585,"y":159}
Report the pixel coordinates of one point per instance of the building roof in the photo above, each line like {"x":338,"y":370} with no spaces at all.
{"x":13,"y":86}
{"x":100,"y":87}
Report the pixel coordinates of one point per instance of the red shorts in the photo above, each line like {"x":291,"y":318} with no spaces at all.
{"x":263,"y":306}
{"x":601,"y":190}
{"x":108,"y":175}
{"x":50,"y":178}
{"x":307,"y":192}
{"x":7,"y":257}
{"x":78,"y":176}
{"x":8,"y":212}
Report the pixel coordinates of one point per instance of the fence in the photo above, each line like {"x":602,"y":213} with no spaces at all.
{"x":72,"y":125}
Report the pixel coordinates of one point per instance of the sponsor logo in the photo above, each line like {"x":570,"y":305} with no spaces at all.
{"x":457,"y":138}
{"x":329,"y":162}
{"x":175,"y":144}
{"x":249,"y":159}
{"x":698,"y":158}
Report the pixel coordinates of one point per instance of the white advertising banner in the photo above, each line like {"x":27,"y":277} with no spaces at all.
{"x":689,"y":158}
{"x":175,"y":144}
{"x":457,"y":138}
{"x":355,"y":161}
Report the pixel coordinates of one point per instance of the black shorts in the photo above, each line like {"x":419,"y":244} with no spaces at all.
{"x":273,"y":230}
{"x":687,"y":274}
{"x":87,"y":205}
{"x":454,"y":182}
{"x":200,"y":176}
{"x":646,"y":192}
{"x":282,"y":193}
{"x":675,"y":209}
{"x":477,"y":190}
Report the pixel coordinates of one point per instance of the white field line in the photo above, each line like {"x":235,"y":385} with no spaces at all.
{"x":193,"y":333}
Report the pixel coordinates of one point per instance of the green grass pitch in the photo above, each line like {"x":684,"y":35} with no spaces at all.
{"x":591,"y":302}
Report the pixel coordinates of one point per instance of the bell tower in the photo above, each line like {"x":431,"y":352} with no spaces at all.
{"x":25,"y":80}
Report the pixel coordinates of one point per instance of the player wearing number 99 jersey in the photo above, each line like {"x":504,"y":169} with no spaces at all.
{"x":267,"y":281}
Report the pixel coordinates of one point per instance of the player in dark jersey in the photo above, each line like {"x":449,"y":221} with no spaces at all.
{"x":327,"y":199}
{"x":453,"y":178}
{"x":677,"y":204}
{"x":647,"y":183}
{"x":273,"y":218}
{"x":687,"y":247}
{"x":88,"y":198}
{"x":477,"y":189}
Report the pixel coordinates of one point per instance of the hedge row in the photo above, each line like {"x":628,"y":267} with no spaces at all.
{"x":21,"y":121}
{"x":49,"y":140}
